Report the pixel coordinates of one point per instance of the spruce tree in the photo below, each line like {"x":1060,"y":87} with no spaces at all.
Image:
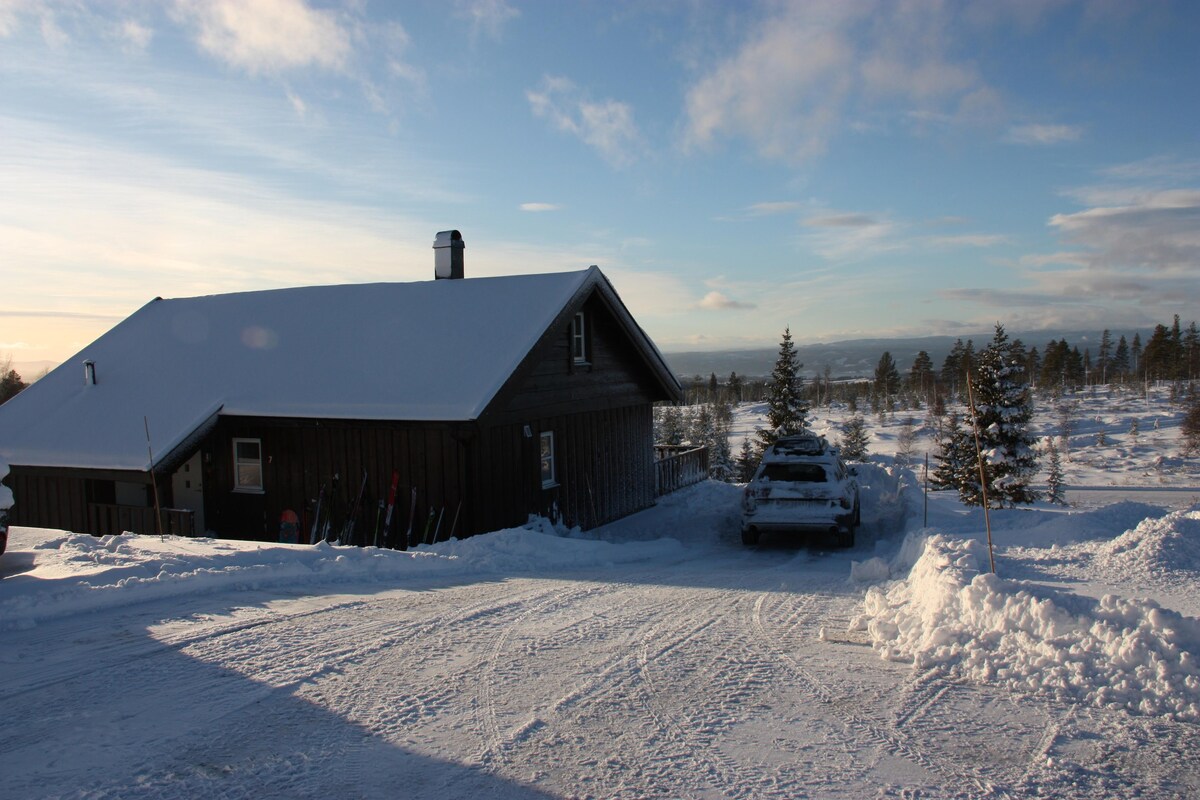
{"x":786,"y":407}
{"x":746,"y":463}
{"x":854,"y":441}
{"x":956,"y":459}
{"x":887,"y":378}
{"x":1002,"y":414}
{"x":1054,"y":474}
{"x":1190,"y":427}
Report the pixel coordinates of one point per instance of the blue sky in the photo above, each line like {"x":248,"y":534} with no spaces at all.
{"x":847,"y":169}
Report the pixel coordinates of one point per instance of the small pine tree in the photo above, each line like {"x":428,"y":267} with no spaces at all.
{"x":956,"y":467}
{"x":746,"y":463}
{"x":671,"y":427}
{"x":787,"y":409}
{"x":1190,"y":428}
{"x":854,"y":440}
{"x":1054,"y":474}
{"x":1133,"y":431}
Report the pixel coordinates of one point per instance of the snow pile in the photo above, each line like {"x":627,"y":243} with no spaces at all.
{"x":1113,"y":652}
{"x":75,"y":573}
{"x":1165,"y":549}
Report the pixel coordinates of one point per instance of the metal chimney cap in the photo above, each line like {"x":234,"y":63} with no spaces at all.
{"x":449,"y":239}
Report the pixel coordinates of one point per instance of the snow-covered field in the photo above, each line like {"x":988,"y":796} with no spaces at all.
{"x":654,"y":657}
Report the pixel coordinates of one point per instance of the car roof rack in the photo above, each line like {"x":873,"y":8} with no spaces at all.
{"x":801,"y":444}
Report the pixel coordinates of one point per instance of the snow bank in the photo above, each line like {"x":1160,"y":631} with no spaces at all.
{"x":75,"y":573}
{"x":1113,"y":652}
{"x":1165,"y":550}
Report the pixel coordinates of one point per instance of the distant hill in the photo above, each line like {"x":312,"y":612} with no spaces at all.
{"x":857,"y":358}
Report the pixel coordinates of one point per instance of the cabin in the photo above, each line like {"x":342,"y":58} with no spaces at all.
{"x":468,"y":403}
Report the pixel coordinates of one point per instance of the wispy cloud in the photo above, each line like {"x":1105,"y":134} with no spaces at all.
{"x":717,"y":301}
{"x":607,"y":126}
{"x":827,"y":62}
{"x":268,"y":36}
{"x":772,"y":208}
{"x":1042,"y":134}
{"x":487,"y":17}
{"x":841,"y":221}
{"x":966,"y":240}
{"x":536,"y":207}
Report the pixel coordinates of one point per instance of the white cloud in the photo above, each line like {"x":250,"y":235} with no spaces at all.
{"x":1042,"y":134}
{"x":717,"y":301}
{"x":267,"y":36}
{"x":792,"y":82}
{"x":606,"y":126}
{"x":487,"y":17}
{"x":1158,"y":231}
{"x":540,"y":207}
{"x":134,"y":35}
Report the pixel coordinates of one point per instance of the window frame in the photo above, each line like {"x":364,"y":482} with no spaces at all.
{"x":239,"y":462}
{"x":544,"y":459}
{"x":579,"y":340}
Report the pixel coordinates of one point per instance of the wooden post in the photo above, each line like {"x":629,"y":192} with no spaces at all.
{"x":153,"y":481}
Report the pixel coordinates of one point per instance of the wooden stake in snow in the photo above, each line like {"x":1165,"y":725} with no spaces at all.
{"x":987,"y":520}
{"x":153,"y":480}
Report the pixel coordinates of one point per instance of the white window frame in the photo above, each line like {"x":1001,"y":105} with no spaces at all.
{"x":579,"y":343}
{"x":238,"y":463}
{"x":546,"y":456}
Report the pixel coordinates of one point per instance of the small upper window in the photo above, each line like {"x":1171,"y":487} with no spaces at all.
{"x":547,"y":455}
{"x":579,"y":349}
{"x":247,"y":465}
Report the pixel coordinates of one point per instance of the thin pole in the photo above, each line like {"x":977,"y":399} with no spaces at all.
{"x":153,"y":480}
{"x":987,"y":520}
{"x":925,"y":522}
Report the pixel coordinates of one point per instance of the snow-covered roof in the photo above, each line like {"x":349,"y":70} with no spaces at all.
{"x":429,"y":350}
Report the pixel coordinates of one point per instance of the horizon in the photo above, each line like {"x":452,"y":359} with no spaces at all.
{"x":906,"y":170}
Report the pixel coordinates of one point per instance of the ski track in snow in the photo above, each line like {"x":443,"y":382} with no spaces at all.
{"x":549,"y":668}
{"x":529,"y":687}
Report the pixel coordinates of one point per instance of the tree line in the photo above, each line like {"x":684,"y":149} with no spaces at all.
{"x":985,"y":451}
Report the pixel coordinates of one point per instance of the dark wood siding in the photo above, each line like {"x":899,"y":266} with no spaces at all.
{"x":604,"y":464}
{"x":552,"y":384}
{"x":300,"y":457}
{"x":47,"y":497}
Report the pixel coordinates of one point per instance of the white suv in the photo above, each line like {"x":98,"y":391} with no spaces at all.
{"x":801,"y":486}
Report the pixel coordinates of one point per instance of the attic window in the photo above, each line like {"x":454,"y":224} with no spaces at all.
{"x":247,"y":465}
{"x":579,"y":348}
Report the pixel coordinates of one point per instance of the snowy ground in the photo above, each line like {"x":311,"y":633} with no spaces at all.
{"x":655,"y":657}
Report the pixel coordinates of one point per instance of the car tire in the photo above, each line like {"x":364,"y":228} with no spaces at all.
{"x":749,"y":538}
{"x":846,"y":537}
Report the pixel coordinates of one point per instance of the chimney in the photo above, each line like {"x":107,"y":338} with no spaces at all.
{"x":448,"y":255}
{"x":89,"y":373}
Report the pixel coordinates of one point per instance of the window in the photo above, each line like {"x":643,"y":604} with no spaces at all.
{"x":548,"y":477}
{"x":579,"y":349}
{"x":247,"y":465}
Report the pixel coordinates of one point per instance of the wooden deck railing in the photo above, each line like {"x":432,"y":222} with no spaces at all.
{"x":677,"y":466}
{"x":106,"y":519}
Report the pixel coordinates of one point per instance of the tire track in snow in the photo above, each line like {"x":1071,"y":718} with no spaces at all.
{"x":894,"y":742}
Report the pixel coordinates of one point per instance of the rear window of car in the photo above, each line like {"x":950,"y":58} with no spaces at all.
{"x":796,"y":473}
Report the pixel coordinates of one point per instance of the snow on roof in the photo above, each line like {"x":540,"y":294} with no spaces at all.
{"x":429,"y":350}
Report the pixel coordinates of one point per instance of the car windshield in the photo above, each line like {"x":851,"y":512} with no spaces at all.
{"x":796,"y":473}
